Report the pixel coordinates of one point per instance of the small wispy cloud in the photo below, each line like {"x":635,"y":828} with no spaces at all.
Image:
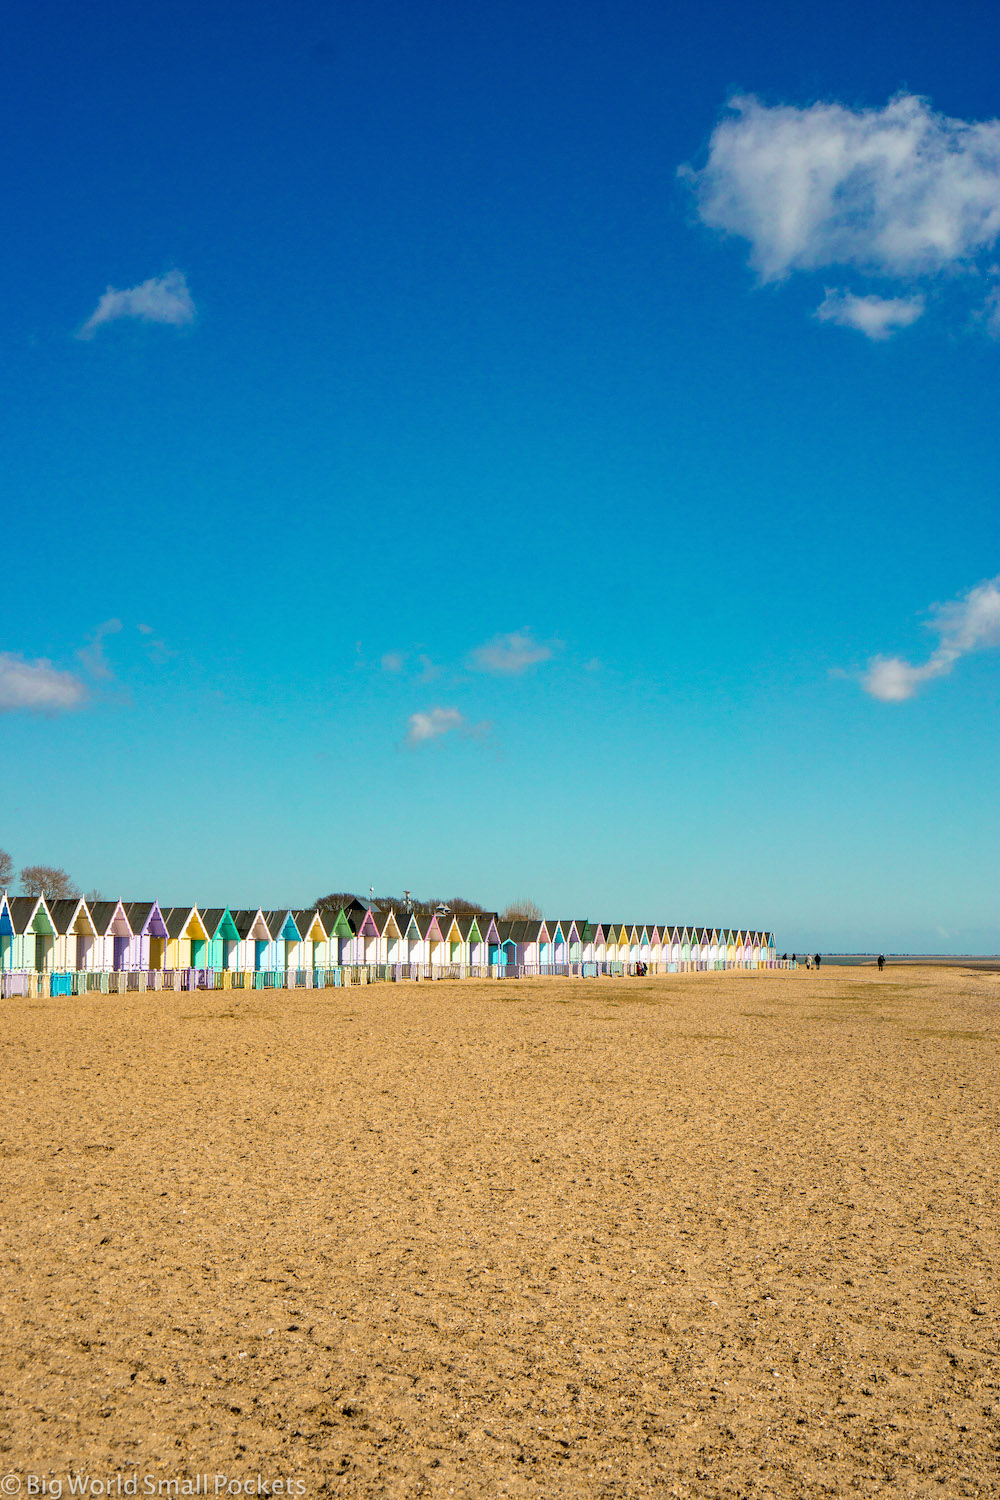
{"x":901,"y":192}
{"x":969,"y":623}
{"x":393,"y":661}
{"x":432,"y":723}
{"x":161,"y":299}
{"x":92,"y":654}
{"x":876,"y":317}
{"x":157,"y":649}
{"x":37,"y":686}
{"x":509,"y":655}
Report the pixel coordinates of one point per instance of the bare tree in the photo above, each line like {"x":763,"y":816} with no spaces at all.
{"x":47,"y":880}
{"x":522,"y":909}
{"x":6,"y":869}
{"x":93,"y":895}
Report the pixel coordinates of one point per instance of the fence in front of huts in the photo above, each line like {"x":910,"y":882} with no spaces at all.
{"x":50,"y":984}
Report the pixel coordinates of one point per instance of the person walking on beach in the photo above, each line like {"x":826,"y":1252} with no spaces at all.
{"x":816,"y":959}
{"x":881,"y":962}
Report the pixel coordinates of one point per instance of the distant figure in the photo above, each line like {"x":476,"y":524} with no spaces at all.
{"x":809,"y":961}
{"x":881,"y":962}
{"x":794,"y":959}
{"x":816,"y":960}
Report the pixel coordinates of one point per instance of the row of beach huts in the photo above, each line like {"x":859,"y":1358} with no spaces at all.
{"x":70,"y":946}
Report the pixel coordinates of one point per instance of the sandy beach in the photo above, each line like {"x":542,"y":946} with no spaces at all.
{"x":696,"y":1235}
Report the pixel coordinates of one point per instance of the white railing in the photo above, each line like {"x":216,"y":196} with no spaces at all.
{"x":29,"y":984}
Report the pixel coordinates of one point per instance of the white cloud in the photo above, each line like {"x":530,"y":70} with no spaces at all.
{"x":899,"y":190}
{"x":92,"y":654}
{"x":393,"y":661}
{"x":509,"y":655}
{"x":969,"y":623}
{"x":161,"y":299}
{"x":434,"y":722}
{"x":37,"y":686}
{"x":876,"y":317}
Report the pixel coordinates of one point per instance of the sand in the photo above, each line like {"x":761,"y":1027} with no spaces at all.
{"x":697,"y":1235}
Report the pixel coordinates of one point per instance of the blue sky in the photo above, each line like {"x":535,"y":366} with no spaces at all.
{"x":507,"y":449}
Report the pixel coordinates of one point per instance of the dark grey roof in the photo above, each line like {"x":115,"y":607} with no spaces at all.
{"x":103,"y":913}
{"x":21,"y":908}
{"x":63,"y":911}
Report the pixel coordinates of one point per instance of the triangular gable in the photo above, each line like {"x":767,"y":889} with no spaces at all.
{"x":6,"y":925}
{"x":433,"y":931}
{"x":543,"y":933}
{"x":341,"y":926}
{"x":623,"y":935}
{"x":597,"y":934}
{"x":194,"y":927}
{"x":368,"y":927}
{"x":492,"y":934}
{"x":558,"y":936}
{"x":655,"y":936}
{"x":252,"y":925}
{"x":227,"y":927}
{"x":30,"y":914}
{"x":633,"y":936}
{"x":146,"y":919}
{"x":391,"y":927}
{"x":110,"y":920}
{"x":311,"y":926}
{"x":450,"y":929}
{"x":71,"y":916}
{"x":412,"y":933}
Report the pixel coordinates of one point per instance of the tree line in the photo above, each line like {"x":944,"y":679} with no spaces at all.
{"x":523,"y":907}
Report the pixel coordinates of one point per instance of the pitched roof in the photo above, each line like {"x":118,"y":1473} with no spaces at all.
{"x":64,"y":913}
{"x":245,"y":920}
{"x":103,"y":914}
{"x":22,"y":913}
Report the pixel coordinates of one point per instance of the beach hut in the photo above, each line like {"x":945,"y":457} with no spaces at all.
{"x":254,"y":939}
{"x":340,"y":935}
{"x":32,"y":932}
{"x":223,"y":947}
{"x":493,"y":942}
{"x":560,"y":942}
{"x":6,"y":933}
{"x":600,"y":944}
{"x":507,"y":944}
{"x":391,"y":937}
{"x":187,"y":939}
{"x":367,"y":935}
{"x":113,"y":945}
{"x":148,"y":943}
{"x":452,"y":935}
{"x":534,"y":944}
{"x":286,"y":940}
{"x":74,"y":934}
{"x":315,"y":941}
{"x":410,"y":942}
{"x":473,"y":946}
